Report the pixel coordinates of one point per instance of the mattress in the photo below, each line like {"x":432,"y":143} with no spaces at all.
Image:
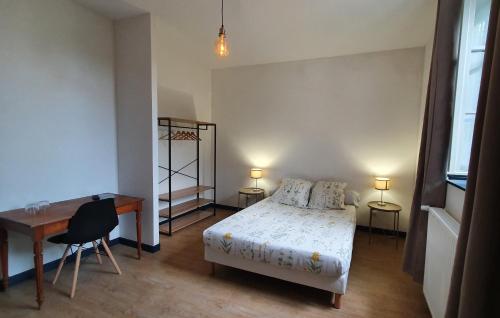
{"x":302,"y":239}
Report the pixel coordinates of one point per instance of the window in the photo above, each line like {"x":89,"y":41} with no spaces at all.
{"x":470,"y":64}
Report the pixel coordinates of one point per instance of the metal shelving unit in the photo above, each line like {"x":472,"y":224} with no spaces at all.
{"x":189,"y":212}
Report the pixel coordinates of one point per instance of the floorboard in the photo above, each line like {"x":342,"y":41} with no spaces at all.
{"x":176,"y":282}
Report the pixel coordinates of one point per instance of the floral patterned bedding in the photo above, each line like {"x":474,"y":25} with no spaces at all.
{"x":303,"y":239}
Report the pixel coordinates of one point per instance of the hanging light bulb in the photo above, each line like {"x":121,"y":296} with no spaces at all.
{"x":221,"y":45}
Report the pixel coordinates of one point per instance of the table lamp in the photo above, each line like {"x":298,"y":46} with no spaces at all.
{"x":382,"y":184}
{"x":256,"y":173}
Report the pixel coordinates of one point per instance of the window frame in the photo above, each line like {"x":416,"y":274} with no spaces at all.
{"x":462,"y":79}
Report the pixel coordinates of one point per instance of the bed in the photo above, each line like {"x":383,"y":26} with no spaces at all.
{"x":307,"y":246}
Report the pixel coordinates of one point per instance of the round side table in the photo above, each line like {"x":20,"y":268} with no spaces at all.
{"x":387,"y":207}
{"x":250,"y":192}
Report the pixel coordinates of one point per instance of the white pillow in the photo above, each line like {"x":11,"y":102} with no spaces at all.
{"x":293,"y":192}
{"x":328,"y":195}
{"x":352,"y":198}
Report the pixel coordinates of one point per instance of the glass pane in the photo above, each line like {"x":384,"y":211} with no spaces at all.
{"x":480,"y":26}
{"x":473,"y":81}
{"x":465,"y":143}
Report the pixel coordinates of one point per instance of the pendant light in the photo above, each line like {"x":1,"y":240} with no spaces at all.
{"x":221,"y":45}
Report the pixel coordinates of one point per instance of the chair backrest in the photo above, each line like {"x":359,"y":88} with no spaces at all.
{"x":92,"y":221}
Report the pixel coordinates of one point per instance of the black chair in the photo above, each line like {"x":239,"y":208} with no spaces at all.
{"x":93,"y":221}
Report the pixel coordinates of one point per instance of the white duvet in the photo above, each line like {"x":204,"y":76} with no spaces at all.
{"x":311,"y":240}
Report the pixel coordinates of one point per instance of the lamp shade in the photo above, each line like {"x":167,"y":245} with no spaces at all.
{"x":382,"y":183}
{"x":255,"y":173}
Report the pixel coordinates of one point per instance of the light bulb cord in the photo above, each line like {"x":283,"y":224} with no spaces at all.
{"x":222,"y":13}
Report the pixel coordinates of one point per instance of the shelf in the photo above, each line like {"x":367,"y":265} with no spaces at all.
{"x":182,"y":208}
{"x":182,"y":193}
{"x":184,"y":214}
{"x":185,"y":221}
{"x":185,"y":121}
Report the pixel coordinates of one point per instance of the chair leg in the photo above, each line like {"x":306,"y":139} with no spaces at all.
{"x":75,"y":274}
{"x":96,"y":248}
{"x":61,"y":263}
{"x":106,"y":248}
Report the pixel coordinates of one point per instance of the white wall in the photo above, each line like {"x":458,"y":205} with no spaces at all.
{"x":348,"y":118}
{"x":183,"y":80}
{"x":454,"y":201}
{"x":429,"y":46}
{"x":57,"y":122}
{"x":136,"y":103}
{"x":184,"y":91}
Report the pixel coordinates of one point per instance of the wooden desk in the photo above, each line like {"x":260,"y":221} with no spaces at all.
{"x":52,"y":221}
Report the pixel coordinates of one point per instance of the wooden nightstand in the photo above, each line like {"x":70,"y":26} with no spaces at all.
{"x":255,"y":192}
{"x":388,"y":207}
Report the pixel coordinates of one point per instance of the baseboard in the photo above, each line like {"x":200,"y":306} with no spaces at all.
{"x":145,"y":247}
{"x":378,"y":230}
{"x":30,"y":273}
{"x":18,"y":278}
{"x":226,"y":207}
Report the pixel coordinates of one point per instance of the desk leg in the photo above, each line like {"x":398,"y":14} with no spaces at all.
{"x":4,"y":251}
{"x":38,"y":258}
{"x":138,"y":225}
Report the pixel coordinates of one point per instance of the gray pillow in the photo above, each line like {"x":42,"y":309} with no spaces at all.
{"x":293,"y":192}
{"x":328,"y":195}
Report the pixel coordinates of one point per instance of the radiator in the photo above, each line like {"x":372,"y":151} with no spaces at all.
{"x":442,"y":233}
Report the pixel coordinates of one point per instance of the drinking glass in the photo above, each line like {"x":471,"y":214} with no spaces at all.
{"x":43,"y":206}
{"x":31,"y":208}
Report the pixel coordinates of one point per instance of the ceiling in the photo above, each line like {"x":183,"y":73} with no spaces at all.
{"x":266,"y":31}
{"x":113,"y":9}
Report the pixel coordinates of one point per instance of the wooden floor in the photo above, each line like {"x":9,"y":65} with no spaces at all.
{"x":176,"y":282}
